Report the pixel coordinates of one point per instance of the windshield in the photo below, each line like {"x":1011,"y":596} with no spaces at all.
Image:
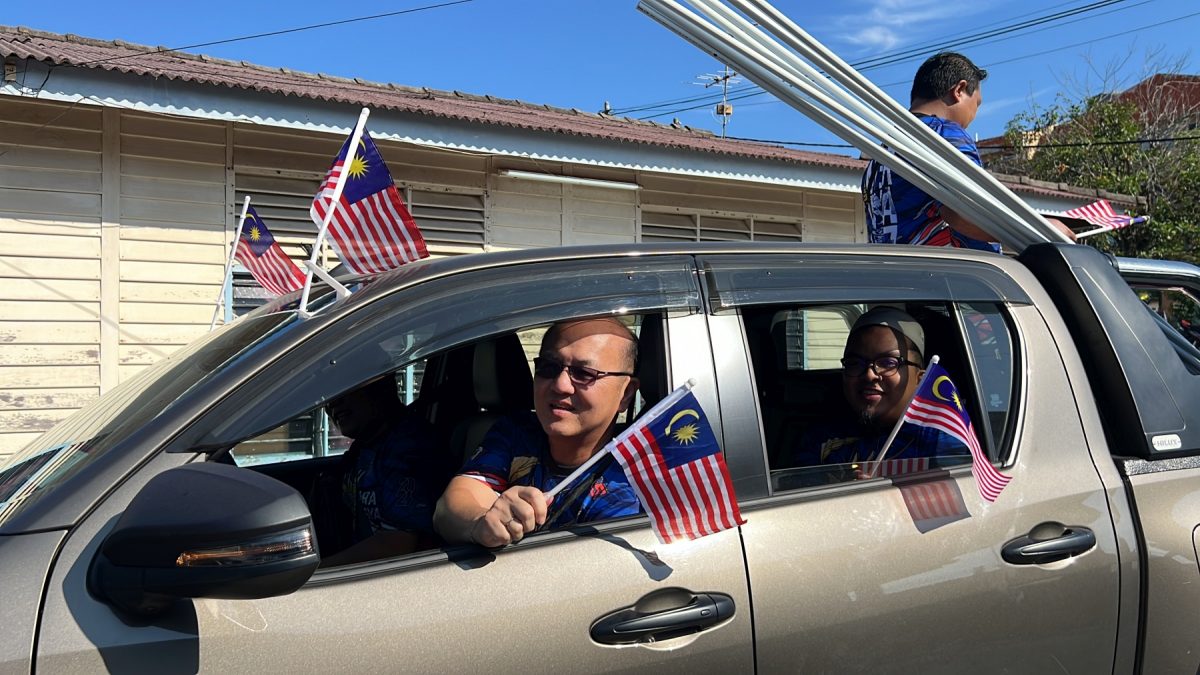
{"x":62,"y":451}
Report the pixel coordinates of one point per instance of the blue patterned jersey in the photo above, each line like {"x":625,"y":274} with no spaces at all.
{"x":850,"y":442}
{"x":516,"y":452}
{"x":394,"y":480}
{"x":899,"y":213}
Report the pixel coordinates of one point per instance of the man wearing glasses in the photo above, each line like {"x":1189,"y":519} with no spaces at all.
{"x":881,"y":367}
{"x":583,"y":378}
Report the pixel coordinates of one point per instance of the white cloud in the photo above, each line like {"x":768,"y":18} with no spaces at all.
{"x":875,"y":37}
{"x":882,"y":25}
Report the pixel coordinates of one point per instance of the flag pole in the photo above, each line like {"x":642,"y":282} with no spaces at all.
{"x":237,"y":235}
{"x":1109,"y":228}
{"x":657,"y":409}
{"x":887,"y":445}
{"x":351,"y":152}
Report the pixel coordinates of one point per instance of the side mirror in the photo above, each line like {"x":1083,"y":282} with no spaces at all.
{"x":205,"y":530}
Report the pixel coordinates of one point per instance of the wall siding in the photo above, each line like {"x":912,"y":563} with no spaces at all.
{"x":173,"y":220}
{"x":127,"y":217}
{"x":50,"y":214}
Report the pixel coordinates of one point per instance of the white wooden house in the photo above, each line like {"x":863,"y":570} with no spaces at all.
{"x":122,"y":169}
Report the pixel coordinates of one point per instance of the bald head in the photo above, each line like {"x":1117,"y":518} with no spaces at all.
{"x":569,"y":331}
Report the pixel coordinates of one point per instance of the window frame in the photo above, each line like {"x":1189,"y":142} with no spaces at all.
{"x":790,"y":281}
{"x":339,"y":357}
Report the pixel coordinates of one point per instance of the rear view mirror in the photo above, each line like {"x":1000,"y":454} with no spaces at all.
{"x":205,"y":530}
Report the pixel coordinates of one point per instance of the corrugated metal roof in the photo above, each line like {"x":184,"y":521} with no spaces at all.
{"x":161,"y":62}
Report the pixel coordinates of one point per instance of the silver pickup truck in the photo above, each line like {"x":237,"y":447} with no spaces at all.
{"x":177,"y":523}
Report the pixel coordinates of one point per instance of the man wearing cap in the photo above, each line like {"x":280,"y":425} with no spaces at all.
{"x":881,"y":367}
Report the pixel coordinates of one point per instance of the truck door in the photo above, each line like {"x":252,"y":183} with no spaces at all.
{"x":916,"y":572}
{"x":535,"y":607}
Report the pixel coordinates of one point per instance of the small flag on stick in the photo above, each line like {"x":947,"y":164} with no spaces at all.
{"x":1101,"y":214}
{"x":371,"y":227}
{"x":676,"y":468}
{"x":258,"y":251}
{"x":938,"y":405}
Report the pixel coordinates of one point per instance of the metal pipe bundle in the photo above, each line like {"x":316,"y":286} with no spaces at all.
{"x":833,"y":94}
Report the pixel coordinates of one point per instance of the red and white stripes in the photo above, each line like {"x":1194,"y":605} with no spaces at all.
{"x":374,"y":234}
{"x":688,"y":501}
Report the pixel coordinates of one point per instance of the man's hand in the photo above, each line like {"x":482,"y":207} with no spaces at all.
{"x":1062,"y":227}
{"x":471,"y":512}
{"x":516,"y":512}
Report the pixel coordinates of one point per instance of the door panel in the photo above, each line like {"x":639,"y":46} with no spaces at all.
{"x":1168,"y":507}
{"x":843,"y":581}
{"x":526,"y":608}
{"x":529,"y":608}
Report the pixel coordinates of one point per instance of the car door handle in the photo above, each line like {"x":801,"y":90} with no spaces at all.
{"x":631,"y":625}
{"x":1048,"y":542}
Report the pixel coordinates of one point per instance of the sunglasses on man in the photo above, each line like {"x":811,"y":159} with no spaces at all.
{"x":547,"y":368}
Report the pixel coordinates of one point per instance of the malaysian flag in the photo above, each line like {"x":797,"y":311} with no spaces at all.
{"x":371,"y":227}
{"x":938,"y":405}
{"x":676,"y":468}
{"x":258,"y":251}
{"x":1101,"y":214}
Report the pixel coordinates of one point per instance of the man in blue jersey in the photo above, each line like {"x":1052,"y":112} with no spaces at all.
{"x":391,"y":474}
{"x":946,"y":95}
{"x":881,"y":367}
{"x":583,"y":378}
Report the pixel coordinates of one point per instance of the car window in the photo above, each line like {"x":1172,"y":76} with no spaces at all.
{"x":87,"y":435}
{"x":1177,"y":306}
{"x":443,"y":408}
{"x":813,"y":434}
{"x":435,"y":317}
{"x":314,"y":434}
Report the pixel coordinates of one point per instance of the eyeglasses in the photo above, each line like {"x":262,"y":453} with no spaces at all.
{"x":549,"y":369}
{"x":882,"y":365}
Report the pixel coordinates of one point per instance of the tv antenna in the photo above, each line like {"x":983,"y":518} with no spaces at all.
{"x":724,"y":109}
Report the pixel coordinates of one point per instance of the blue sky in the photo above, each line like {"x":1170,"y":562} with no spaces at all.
{"x":581,"y":53}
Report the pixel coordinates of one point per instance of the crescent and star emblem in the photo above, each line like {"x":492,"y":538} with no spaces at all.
{"x":680,"y":414}
{"x":953,"y":396}
{"x":686,"y":434}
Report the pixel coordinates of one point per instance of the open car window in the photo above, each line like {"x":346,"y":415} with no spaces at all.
{"x":812,"y":433}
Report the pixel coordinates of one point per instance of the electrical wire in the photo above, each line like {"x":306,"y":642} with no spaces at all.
{"x":278,"y":32}
{"x":993,"y":64}
{"x":1039,"y":146}
{"x":906,"y":54}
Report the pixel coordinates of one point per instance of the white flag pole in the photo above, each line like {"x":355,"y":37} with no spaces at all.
{"x":887,"y":445}
{"x":237,"y":235}
{"x":351,"y":152}
{"x":658,"y":408}
{"x":1109,"y":228}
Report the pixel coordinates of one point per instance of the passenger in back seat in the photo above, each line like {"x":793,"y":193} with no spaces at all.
{"x":881,"y":367}
{"x":391,"y":475}
{"x":583,"y":378}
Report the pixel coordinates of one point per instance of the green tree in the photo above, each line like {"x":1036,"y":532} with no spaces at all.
{"x":1094,"y":142}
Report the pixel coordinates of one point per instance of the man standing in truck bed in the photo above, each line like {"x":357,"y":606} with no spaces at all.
{"x":946,"y":95}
